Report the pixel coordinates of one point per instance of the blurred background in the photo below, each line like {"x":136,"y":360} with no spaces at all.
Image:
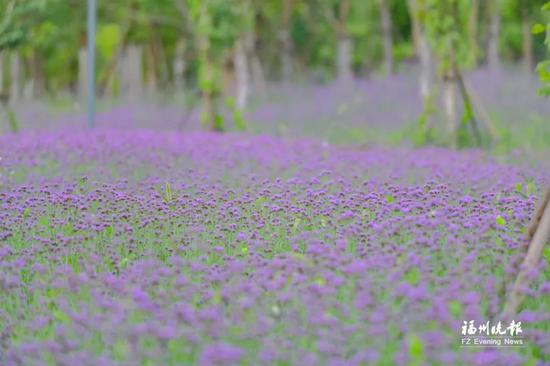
{"x":458,"y":72}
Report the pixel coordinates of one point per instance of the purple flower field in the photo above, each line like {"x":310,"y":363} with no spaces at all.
{"x":377,"y":110}
{"x":133,"y":247}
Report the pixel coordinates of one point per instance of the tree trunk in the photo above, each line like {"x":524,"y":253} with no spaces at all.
{"x":208,"y":86}
{"x":256,"y":69}
{"x":415,"y":26}
{"x":228,"y":75}
{"x":449,"y":104}
{"x":28,"y":90}
{"x":242,"y":74}
{"x":38,"y":77}
{"x":473,"y":30}
{"x":258,"y":76}
{"x":111,"y":81}
{"x":208,"y":114}
{"x":16,"y":78}
{"x":123,"y":84}
{"x":27,"y":84}
{"x":527,"y":45}
{"x":538,"y":234}
{"x":286,"y":57}
{"x":152,"y":79}
{"x":493,"y":57}
{"x":424,"y":54}
{"x":132,"y":72}
{"x":1,"y":73}
{"x":179,"y":67}
{"x":209,"y":110}
{"x":82,"y":60}
{"x":161,"y":60}
{"x":344,"y":58}
{"x":286,"y":43}
{"x":387,"y":40}
{"x":426,"y":67}
{"x":344,"y":47}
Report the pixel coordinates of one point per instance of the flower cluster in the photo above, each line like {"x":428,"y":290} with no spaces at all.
{"x":149,"y":248}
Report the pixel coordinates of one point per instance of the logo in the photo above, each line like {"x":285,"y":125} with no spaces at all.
{"x":491,"y":334}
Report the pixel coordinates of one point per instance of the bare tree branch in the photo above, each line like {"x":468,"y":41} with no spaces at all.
{"x":539,"y":232}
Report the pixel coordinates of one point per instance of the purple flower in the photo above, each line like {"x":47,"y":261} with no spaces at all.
{"x":221,"y":354}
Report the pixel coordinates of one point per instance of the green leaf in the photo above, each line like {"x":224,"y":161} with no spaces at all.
{"x":230,"y":102}
{"x":239,"y":120}
{"x":218,"y":122}
{"x":109,"y":232}
{"x":544,"y":74}
{"x":538,"y":28}
{"x":108,"y":37}
{"x":121,"y":350}
{"x":60,"y":316}
{"x":500,"y":221}
{"x":416,"y":349}
{"x":531,"y":188}
{"x":546,"y":254}
{"x":455,"y":308}
{"x":544,"y":91}
{"x":167,"y":193}
{"x":68,"y":229}
{"x":413,"y":276}
{"x":12,"y":120}
{"x":44,"y":221}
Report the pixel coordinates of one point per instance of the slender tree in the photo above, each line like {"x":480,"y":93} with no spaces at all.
{"x":543,"y":68}
{"x":417,"y":10}
{"x":242,"y":71}
{"x":16,"y":77}
{"x":286,"y":40}
{"x":179,"y":66}
{"x":337,"y":15}
{"x":131,"y":71}
{"x":493,"y":55}
{"x":344,"y":48}
{"x":257,"y":72}
{"x":209,"y":71}
{"x":387,"y":38}
{"x":473,"y":30}
{"x":217,"y":26}
{"x":447,"y":29}
{"x":243,"y":52}
{"x":413,"y":9}
{"x":527,"y":38}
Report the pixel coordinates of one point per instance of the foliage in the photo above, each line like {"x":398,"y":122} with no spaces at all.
{"x":16,"y":20}
{"x":12,"y":120}
{"x":543,"y":68}
{"x":446,"y":28}
{"x":54,"y":30}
